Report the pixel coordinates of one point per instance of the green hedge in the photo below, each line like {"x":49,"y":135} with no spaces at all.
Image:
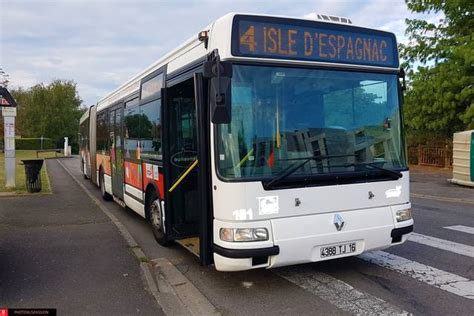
{"x":33,"y":143}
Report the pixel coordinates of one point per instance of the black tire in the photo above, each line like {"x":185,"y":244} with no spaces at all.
{"x":106,"y":196}
{"x":155,"y":217}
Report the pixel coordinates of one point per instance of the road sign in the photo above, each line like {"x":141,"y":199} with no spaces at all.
{"x":3,"y":101}
{"x":6,"y":99}
{"x":8,"y":111}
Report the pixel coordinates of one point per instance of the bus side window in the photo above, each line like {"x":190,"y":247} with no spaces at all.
{"x":131,"y":129}
{"x":102,"y":132}
{"x":150,"y":129}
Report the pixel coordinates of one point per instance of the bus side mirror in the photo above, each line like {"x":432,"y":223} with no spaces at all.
{"x":220,"y":95}
{"x":220,"y":99}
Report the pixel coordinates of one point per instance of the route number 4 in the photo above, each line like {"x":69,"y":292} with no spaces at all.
{"x":248,"y":38}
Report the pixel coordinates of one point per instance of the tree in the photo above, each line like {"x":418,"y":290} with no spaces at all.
{"x":52,"y":110}
{"x":3,"y":78}
{"x":440,"y":97}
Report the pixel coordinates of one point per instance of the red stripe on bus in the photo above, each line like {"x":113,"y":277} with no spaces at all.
{"x":152,"y":174}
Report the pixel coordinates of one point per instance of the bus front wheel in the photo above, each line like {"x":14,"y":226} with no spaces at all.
{"x":156,"y":219}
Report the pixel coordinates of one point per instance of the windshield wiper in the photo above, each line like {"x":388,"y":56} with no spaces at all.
{"x":291,"y":169}
{"x":394,"y":174}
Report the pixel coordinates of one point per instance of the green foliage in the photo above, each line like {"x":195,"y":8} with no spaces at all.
{"x":51,"y":111}
{"x":34,"y":144}
{"x":440,"y":97}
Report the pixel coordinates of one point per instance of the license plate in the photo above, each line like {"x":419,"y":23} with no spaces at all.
{"x":336,"y":250}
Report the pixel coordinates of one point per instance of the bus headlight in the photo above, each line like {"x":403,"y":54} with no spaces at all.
{"x":243,"y":234}
{"x":403,"y":215}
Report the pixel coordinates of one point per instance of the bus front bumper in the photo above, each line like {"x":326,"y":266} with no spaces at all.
{"x":227,"y":259}
{"x":301,"y":239}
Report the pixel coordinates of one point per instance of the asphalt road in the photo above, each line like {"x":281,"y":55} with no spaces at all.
{"x":433,"y":274}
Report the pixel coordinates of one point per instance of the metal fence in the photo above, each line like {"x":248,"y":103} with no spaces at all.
{"x":431,"y":156}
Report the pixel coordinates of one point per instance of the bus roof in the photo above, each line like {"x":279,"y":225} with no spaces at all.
{"x":84,"y":116}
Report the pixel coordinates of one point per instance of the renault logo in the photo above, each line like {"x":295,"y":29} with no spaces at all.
{"x":338,"y":222}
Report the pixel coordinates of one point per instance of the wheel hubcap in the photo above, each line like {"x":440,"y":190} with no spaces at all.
{"x":155,"y":212}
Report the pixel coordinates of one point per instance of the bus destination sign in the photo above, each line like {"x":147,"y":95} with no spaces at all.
{"x":312,"y":41}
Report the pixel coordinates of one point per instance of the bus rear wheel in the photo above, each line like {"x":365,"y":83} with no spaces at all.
{"x":84,"y":170}
{"x":156,"y":219}
{"x":106,"y":196}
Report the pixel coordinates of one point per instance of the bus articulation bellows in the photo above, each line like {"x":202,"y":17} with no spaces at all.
{"x":260,"y":142}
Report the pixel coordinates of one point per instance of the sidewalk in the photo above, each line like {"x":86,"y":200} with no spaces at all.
{"x":431,"y":181}
{"x":60,"y":251}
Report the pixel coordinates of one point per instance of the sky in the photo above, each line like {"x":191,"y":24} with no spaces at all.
{"x":100,"y":44}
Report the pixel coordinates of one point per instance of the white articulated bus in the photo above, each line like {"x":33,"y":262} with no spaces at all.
{"x":261,"y":142}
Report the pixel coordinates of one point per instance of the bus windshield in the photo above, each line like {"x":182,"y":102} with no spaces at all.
{"x":339,"y":121}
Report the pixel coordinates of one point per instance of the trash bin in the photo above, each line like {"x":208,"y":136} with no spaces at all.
{"x":33,"y":177}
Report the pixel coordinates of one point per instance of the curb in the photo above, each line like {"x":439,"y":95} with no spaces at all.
{"x":440,"y":198}
{"x":22,"y":194}
{"x":173,"y":292}
{"x":173,"y":285}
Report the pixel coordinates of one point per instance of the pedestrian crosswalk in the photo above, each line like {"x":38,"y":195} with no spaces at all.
{"x":443,"y":244}
{"x":337,"y":292}
{"x":461,"y":228}
{"x":348,"y":298}
{"x":441,"y":279}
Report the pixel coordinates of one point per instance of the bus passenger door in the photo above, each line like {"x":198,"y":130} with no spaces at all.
{"x":117,"y":153}
{"x":185,"y":191}
{"x":182,"y":212}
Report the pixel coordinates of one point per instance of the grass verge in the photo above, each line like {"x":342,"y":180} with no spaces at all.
{"x":20,"y":172}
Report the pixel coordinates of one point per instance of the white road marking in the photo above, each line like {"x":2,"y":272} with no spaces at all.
{"x":451,"y":246}
{"x":441,"y":279}
{"x":337,"y":292}
{"x":461,"y":228}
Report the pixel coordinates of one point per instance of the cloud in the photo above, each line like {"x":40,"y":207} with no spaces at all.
{"x":101,"y":44}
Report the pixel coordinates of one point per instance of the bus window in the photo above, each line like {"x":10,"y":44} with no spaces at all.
{"x":150,"y":130}
{"x":131,"y":131}
{"x":282,"y":114}
{"x":102,"y":137}
{"x":152,"y":86}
